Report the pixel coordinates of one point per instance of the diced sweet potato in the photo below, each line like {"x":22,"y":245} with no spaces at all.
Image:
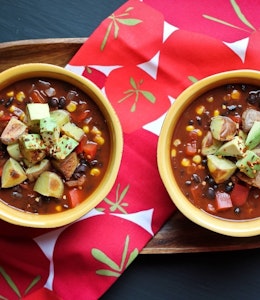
{"x":66,"y":166}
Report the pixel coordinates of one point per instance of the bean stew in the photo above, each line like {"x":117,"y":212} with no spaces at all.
{"x":215,"y":152}
{"x":54,"y":145}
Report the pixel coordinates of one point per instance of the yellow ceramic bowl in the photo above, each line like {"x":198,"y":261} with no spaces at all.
{"x":25,"y":71}
{"x":226,"y":227}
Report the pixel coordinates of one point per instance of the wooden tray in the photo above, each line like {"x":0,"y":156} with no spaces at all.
{"x":178,"y":235}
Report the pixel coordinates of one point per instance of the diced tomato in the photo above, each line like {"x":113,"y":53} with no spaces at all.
{"x":196,"y":195}
{"x":193,"y":135}
{"x":239,"y":194}
{"x":37,"y":97}
{"x":236,"y":118}
{"x":191,"y":148}
{"x":81,"y":144}
{"x":223,"y":201}
{"x":90,"y":150}
{"x":5,"y":117}
{"x":74,"y":197}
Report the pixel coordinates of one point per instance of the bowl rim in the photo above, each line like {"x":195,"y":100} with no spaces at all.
{"x":243,"y":228}
{"x":34,"y":70}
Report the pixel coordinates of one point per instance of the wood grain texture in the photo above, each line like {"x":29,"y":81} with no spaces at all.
{"x":178,"y":235}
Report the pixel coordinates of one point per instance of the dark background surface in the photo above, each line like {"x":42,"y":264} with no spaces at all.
{"x":216,"y":275}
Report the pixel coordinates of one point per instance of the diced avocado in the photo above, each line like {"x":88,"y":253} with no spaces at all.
{"x":66,"y":166}
{"x":223,"y":128}
{"x":14,"y":151}
{"x":242,"y":134}
{"x":253,"y":137}
{"x":13,"y":130}
{"x":209,"y":145}
{"x":38,"y":111}
{"x":249,"y":164}
{"x":32,"y":147}
{"x":61,"y":116}
{"x":35,"y":112}
{"x":49,"y":184}
{"x":13,"y":173}
{"x":73,"y":131}
{"x":235,"y":148}
{"x":49,"y":131}
{"x":221,"y":169}
{"x":64,"y":147}
{"x":35,"y":171}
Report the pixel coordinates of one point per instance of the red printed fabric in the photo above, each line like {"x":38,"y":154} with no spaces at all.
{"x":142,"y":57}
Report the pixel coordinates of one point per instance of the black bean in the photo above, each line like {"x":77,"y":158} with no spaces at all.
{"x":9,"y":102}
{"x":82,"y":168}
{"x":243,"y":87}
{"x":188,"y":182}
{"x":196,"y":178}
{"x":237,"y":210}
{"x":252,"y":98}
{"x":62,"y":102}
{"x":229,"y":187}
{"x":210,"y":193}
{"x":53,"y":102}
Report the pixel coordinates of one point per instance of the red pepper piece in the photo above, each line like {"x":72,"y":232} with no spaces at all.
{"x":223,"y":201}
{"x":239,"y":194}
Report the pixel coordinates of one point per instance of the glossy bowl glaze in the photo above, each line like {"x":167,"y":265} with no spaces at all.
{"x":35,"y":70}
{"x":223,"y":226}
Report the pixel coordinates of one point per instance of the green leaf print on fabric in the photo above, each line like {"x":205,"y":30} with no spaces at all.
{"x":115,"y":20}
{"x":239,"y":14}
{"x":14,"y":287}
{"x":113,"y":269}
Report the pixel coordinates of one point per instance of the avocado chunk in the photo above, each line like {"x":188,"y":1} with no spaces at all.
{"x":209,"y":145}
{"x":64,"y":147}
{"x":73,"y":131}
{"x":235,"y":148}
{"x":35,"y":112}
{"x":14,"y":151}
{"x":221,"y":169}
{"x":60,"y":116}
{"x":253,"y":137}
{"x":13,"y":174}
{"x":49,"y":184}
{"x":49,"y":131}
{"x":35,"y":171}
{"x":249,"y":164}
{"x":13,"y":131}
{"x":223,"y":128}
{"x":32,"y":147}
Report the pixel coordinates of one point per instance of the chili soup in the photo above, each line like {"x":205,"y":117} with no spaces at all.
{"x":55,"y":145}
{"x":215,"y":153}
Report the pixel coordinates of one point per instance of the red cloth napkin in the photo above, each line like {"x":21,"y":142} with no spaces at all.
{"x":142,"y":57}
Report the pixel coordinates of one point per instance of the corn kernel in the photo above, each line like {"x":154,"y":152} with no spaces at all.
{"x":185,"y":162}
{"x":1,"y":113}
{"x":86,"y":128}
{"x":189,"y":128}
{"x":173,"y":152}
{"x":71,"y":107}
{"x":235,"y":95}
{"x":12,"y":108}
{"x":99,"y":139}
{"x":210,"y":99}
{"x":200,"y":109}
{"x":95,"y":130}
{"x":20,"y":96}
{"x":199,"y":132}
{"x":58,"y":208}
{"x":10,"y":94}
{"x":196,"y":159}
{"x":216,"y":113}
{"x":95,"y":172}
{"x":177,"y":142}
